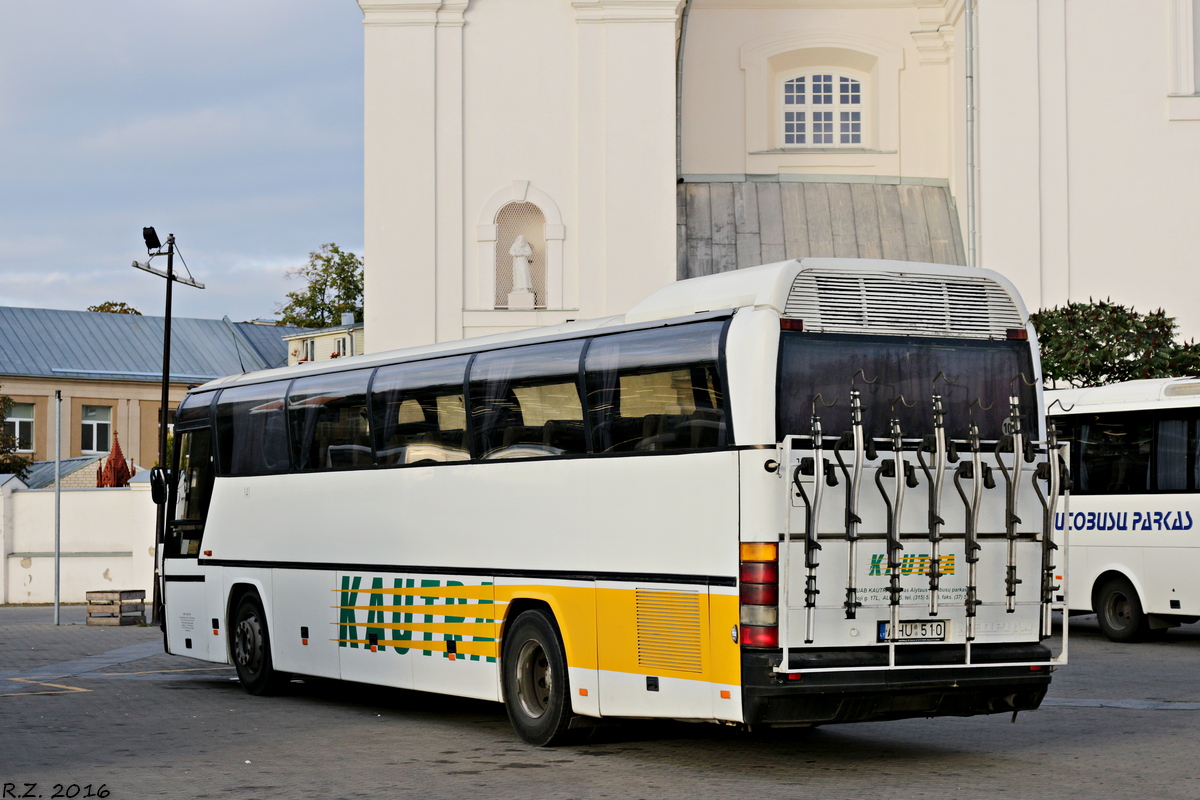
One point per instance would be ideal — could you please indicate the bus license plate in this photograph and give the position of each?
(925, 630)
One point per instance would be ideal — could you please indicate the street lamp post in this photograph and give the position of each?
(155, 248)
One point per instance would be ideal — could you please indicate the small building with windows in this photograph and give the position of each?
(109, 370)
(307, 345)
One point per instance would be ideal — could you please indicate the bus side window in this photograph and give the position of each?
(657, 390)
(328, 420)
(1171, 454)
(252, 437)
(418, 413)
(525, 401)
(1114, 453)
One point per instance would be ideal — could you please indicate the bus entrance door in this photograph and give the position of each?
(191, 594)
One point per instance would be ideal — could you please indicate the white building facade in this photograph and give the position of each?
(635, 142)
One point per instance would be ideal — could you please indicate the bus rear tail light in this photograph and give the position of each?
(758, 581)
(786, 324)
(753, 636)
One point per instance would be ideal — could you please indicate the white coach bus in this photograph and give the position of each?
(1135, 511)
(805, 493)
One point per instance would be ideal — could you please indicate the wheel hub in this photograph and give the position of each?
(535, 679)
(247, 644)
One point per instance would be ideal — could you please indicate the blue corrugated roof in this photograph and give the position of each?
(87, 344)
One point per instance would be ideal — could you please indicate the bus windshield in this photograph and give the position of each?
(977, 378)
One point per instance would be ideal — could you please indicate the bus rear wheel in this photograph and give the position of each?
(250, 644)
(1119, 611)
(535, 680)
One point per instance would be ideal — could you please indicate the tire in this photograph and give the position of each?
(1119, 611)
(250, 646)
(536, 691)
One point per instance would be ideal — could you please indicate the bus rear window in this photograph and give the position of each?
(897, 377)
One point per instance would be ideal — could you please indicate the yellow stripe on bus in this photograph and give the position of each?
(463, 648)
(476, 592)
(489, 629)
(471, 610)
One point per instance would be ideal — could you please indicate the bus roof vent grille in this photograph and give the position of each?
(842, 301)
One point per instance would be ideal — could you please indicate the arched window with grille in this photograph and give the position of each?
(822, 109)
(512, 221)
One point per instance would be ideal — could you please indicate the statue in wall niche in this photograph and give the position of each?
(521, 253)
(522, 295)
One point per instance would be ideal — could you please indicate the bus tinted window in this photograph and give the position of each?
(194, 409)
(328, 419)
(1113, 453)
(975, 379)
(657, 390)
(418, 410)
(251, 430)
(525, 401)
(1174, 446)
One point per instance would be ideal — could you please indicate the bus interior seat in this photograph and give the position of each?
(565, 435)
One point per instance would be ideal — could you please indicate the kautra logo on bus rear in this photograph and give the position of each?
(911, 564)
(1120, 521)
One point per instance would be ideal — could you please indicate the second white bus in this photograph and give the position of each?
(1135, 503)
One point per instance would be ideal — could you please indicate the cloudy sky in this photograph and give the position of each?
(234, 124)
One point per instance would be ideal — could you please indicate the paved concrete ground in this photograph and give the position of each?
(96, 706)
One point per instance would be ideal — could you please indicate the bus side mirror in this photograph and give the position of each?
(158, 485)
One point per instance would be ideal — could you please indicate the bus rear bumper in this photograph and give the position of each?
(887, 694)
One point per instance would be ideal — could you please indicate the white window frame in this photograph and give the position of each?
(843, 114)
(20, 423)
(876, 63)
(95, 426)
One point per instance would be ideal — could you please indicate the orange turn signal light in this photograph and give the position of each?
(759, 551)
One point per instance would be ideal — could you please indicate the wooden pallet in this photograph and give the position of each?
(126, 607)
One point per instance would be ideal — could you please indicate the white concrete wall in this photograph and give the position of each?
(1089, 167)
(107, 542)
(566, 104)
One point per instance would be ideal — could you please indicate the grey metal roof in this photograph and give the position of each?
(41, 473)
(48, 343)
(728, 225)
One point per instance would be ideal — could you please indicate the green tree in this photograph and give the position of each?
(1093, 343)
(10, 462)
(335, 286)
(114, 307)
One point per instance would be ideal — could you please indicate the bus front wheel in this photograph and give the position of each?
(535, 680)
(251, 648)
(1119, 611)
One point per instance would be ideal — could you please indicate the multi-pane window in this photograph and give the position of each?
(822, 110)
(19, 425)
(96, 431)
